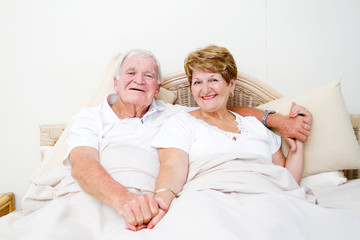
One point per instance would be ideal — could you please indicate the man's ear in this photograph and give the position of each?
(158, 90)
(115, 83)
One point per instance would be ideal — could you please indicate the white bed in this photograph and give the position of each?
(332, 160)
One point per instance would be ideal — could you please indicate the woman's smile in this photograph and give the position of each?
(209, 97)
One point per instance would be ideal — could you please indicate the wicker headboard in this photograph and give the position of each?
(248, 92)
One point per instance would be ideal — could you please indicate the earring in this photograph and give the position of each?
(232, 94)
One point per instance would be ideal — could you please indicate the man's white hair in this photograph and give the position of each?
(136, 52)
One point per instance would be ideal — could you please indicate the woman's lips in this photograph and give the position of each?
(209, 97)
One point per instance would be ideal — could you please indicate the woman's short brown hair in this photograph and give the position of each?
(212, 59)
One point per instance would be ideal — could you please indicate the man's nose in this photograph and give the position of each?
(139, 79)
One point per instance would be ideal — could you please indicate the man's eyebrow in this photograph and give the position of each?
(130, 69)
(151, 72)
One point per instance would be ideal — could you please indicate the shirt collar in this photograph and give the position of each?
(111, 98)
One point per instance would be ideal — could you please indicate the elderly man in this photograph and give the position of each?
(132, 116)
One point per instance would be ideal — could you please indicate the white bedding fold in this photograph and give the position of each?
(242, 173)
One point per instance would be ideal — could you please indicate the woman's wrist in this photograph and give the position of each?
(165, 190)
(166, 197)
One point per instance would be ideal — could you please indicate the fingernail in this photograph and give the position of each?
(291, 114)
(150, 226)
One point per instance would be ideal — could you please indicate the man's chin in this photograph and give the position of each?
(141, 101)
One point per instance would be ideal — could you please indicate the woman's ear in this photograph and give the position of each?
(232, 85)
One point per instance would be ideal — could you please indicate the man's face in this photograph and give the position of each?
(137, 82)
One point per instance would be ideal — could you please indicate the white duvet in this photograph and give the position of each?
(227, 196)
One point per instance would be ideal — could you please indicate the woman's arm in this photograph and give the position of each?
(174, 165)
(294, 161)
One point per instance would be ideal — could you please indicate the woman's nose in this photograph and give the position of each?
(205, 88)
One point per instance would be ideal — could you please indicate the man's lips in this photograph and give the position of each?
(209, 97)
(136, 89)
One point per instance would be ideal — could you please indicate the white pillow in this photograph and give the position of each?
(166, 95)
(323, 180)
(332, 144)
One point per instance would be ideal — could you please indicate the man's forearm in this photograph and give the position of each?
(273, 120)
(248, 111)
(95, 180)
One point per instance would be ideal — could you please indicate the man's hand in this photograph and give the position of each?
(295, 126)
(138, 210)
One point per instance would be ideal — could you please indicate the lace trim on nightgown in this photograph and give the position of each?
(234, 136)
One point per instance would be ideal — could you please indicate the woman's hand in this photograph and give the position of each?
(295, 126)
(303, 117)
(297, 110)
(164, 200)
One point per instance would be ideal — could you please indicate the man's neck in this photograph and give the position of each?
(123, 110)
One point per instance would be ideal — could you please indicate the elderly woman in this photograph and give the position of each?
(231, 177)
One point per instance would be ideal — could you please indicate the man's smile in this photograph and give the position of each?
(137, 89)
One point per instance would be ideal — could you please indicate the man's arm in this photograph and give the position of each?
(137, 209)
(290, 128)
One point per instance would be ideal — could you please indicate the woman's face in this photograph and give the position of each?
(137, 82)
(210, 90)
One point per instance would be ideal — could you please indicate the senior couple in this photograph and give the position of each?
(131, 115)
(141, 164)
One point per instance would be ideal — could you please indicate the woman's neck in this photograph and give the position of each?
(222, 114)
(223, 120)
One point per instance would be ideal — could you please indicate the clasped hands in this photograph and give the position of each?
(143, 210)
(295, 126)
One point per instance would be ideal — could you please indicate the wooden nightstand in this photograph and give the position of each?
(7, 203)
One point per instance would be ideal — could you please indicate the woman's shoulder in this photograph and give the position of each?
(250, 121)
(246, 118)
(195, 113)
(180, 115)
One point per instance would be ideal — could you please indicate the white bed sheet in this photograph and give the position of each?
(344, 198)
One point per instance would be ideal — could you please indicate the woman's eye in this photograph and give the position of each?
(214, 80)
(196, 82)
(131, 73)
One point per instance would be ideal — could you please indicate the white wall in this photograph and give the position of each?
(54, 54)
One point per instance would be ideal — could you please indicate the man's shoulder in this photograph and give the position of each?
(88, 113)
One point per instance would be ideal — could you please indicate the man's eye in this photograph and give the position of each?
(131, 73)
(149, 75)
